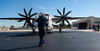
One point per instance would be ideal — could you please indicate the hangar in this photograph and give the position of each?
(86, 23)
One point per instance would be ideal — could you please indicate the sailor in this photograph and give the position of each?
(41, 26)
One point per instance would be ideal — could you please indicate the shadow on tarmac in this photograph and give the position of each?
(25, 34)
(22, 48)
(54, 32)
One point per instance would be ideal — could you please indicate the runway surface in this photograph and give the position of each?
(68, 40)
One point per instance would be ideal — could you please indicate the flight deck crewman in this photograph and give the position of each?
(41, 26)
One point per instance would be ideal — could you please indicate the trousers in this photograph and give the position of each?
(41, 36)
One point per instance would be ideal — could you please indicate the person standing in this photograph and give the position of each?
(98, 27)
(42, 28)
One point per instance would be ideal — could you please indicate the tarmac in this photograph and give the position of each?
(68, 40)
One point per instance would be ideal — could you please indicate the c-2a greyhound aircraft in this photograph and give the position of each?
(30, 22)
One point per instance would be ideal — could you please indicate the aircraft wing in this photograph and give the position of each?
(75, 18)
(11, 18)
(14, 19)
(17, 19)
(70, 18)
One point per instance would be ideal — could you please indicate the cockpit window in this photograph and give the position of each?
(46, 14)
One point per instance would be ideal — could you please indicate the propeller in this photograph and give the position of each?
(63, 17)
(28, 17)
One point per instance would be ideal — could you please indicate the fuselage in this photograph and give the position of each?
(49, 27)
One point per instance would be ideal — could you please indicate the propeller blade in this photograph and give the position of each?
(59, 12)
(67, 22)
(21, 20)
(28, 24)
(24, 24)
(25, 12)
(68, 13)
(33, 15)
(58, 21)
(57, 16)
(21, 15)
(30, 11)
(62, 22)
(64, 11)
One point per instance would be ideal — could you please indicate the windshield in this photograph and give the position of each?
(46, 14)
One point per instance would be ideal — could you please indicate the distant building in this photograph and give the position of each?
(86, 23)
(4, 28)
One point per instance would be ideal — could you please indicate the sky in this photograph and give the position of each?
(79, 8)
